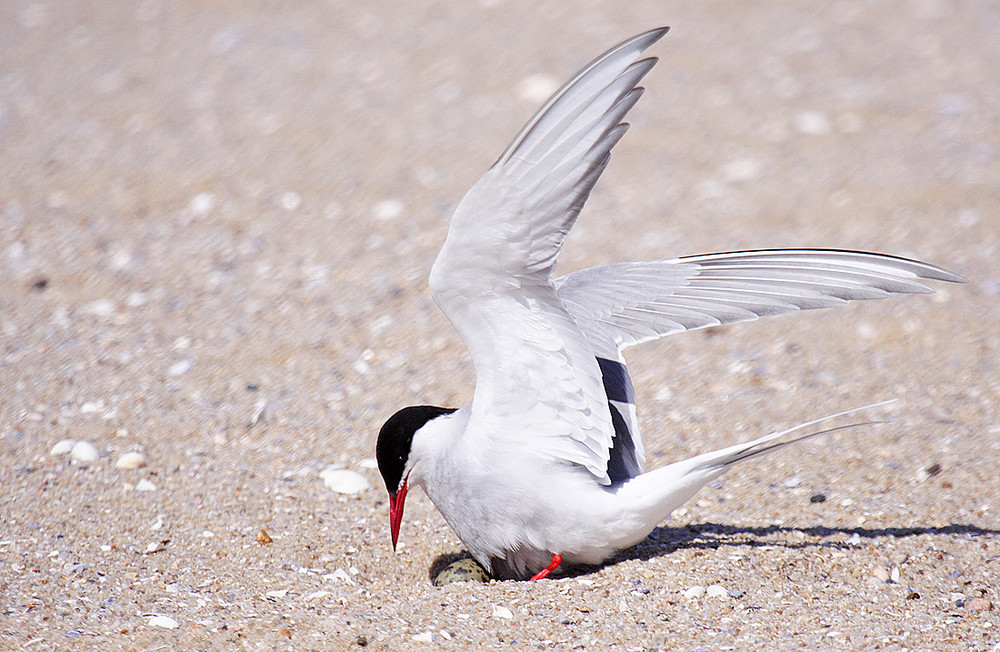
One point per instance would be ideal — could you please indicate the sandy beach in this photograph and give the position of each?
(216, 225)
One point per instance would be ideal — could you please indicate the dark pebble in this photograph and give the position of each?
(817, 498)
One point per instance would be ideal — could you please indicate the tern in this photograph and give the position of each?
(545, 465)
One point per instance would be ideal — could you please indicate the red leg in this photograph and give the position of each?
(556, 560)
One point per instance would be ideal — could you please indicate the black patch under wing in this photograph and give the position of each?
(622, 464)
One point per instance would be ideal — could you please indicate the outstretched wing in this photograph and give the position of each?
(538, 383)
(629, 303)
(619, 305)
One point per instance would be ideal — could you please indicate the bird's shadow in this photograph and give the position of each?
(712, 536)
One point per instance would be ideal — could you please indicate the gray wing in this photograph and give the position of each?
(538, 385)
(620, 305)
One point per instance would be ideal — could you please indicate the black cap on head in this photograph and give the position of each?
(396, 438)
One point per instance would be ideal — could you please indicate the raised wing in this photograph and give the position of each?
(629, 303)
(538, 383)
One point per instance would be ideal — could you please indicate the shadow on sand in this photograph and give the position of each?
(712, 536)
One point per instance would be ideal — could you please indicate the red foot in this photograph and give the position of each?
(556, 560)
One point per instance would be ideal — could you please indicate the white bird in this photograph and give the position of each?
(545, 465)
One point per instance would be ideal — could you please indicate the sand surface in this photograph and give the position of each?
(216, 223)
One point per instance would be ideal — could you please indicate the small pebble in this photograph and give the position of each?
(290, 201)
(180, 367)
(131, 460)
(388, 209)
(537, 88)
(263, 537)
(817, 498)
(63, 447)
(344, 481)
(84, 451)
(426, 637)
(743, 169)
(163, 621)
(100, 308)
(811, 123)
(979, 604)
(92, 407)
(201, 203)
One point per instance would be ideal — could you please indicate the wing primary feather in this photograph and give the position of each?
(626, 51)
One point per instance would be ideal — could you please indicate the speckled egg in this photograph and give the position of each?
(463, 570)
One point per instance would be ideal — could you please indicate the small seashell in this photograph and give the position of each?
(694, 592)
(92, 407)
(156, 546)
(717, 591)
(502, 612)
(263, 537)
(341, 575)
(63, 447)
(131, 460)
(163, 621)
(84, 451)
(344, 481)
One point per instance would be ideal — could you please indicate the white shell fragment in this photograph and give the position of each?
(155, 546)
(344, 481)
(694, 592)
(131, 460)
(145, 485)
(163, 621)
(63, 447)
(84, 451)
(180, 367)
(717, 591)
(502, 612)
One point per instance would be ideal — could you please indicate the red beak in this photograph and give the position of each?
(396, 512)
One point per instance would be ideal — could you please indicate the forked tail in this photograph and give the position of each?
(767, 444)
(651, 497)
